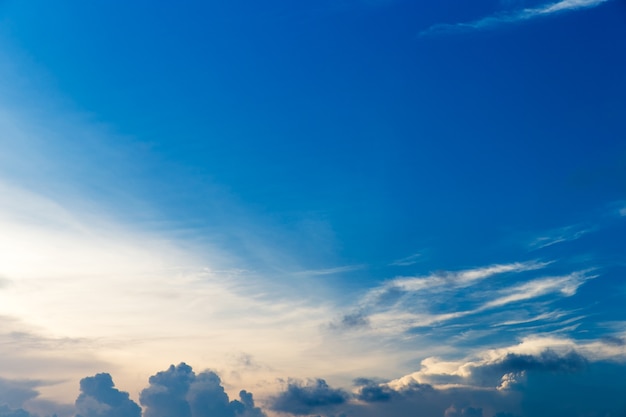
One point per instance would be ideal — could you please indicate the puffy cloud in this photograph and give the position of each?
(514, 384)
(100, 398)
(179, 392)
(166, 395)
(207, 397)
(370, 391)
(245, 406)
(497, 383)
(306, 398)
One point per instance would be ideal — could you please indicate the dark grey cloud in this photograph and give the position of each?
(20, 398)
(350, 321)
(14, 393)
(427, 401)
(305, 398)
(6, 411)
(597, 391)
(374, 393)
(546, 361)
(100, 398)
(179, 392)
(166, 395)
(245, 406)
(555, 385)
(206, 397)
(371, 391)
(463, 412)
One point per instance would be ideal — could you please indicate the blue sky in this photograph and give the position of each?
(357, 207)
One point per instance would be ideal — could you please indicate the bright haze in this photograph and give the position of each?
(333, 208)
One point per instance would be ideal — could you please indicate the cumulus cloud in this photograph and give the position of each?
(576, 387)
(513, 16)
(499, 369)
(373, 399)
(370, 391)
(179, 392)
(167, 392)
(305, 398)
(100, 398)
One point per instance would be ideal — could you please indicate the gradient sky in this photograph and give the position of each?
(344, 207)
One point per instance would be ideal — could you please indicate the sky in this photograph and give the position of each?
(339, 208)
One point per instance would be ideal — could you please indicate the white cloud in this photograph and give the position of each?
(512, 17)
(566, 285)
(434, 369)
(458, 279)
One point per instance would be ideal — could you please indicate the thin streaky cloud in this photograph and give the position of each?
(331, 271)
(542, 317)
(564, 234)
(567, 285)
(462, 278)
(397, 321)
(500, 19)
(407, 261)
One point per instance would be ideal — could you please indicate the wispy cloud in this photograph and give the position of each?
(566, 285)
(500, 19)
(561, 235)
(330, 271)
(485, 298)
(456, 279)
(407, 261)
(73, 277)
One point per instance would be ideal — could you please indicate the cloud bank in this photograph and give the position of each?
(511, 385)
(510, 382)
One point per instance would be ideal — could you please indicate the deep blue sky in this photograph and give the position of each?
(343, 112)
(327, 150)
